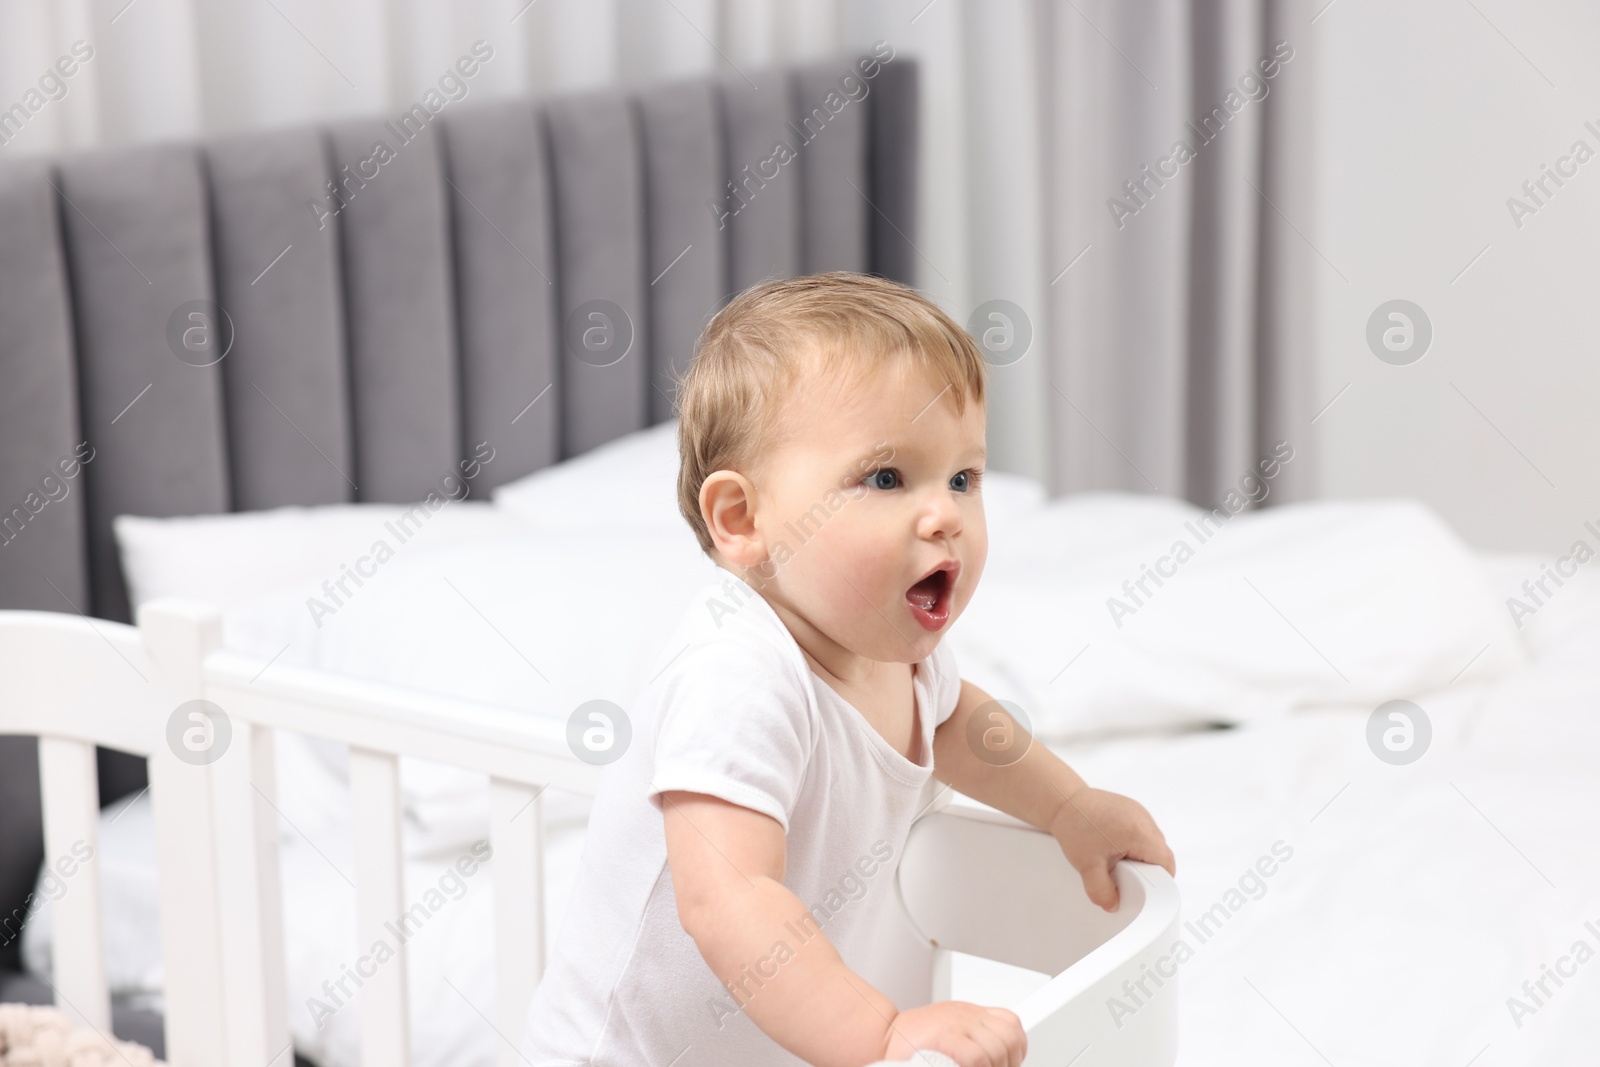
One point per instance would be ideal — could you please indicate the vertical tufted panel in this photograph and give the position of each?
(43, 558)
(763, 184)
(277, 277)
(42, 550)
(137, 242)
(892, 154)
(507, 328)
(687, 258)
(600, 247)
(831, 101)
(398, 306)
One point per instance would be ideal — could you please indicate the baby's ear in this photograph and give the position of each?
(728, 510)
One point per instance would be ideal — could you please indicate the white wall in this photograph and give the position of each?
(1430, 120)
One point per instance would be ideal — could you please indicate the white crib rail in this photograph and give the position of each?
(959, 882)
(75, 683)
(521, 757)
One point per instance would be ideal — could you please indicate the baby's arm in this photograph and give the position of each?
(1095, 828)
(727, 866)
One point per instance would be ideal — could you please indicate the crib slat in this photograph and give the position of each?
(70, 793)
(380, 904)
(274, 979)
(516, 832)
(247, 878)
(178, 637)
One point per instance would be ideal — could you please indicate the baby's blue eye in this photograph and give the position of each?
(962, 482)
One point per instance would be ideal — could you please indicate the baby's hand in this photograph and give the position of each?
(970, 1034)
(1096, 829)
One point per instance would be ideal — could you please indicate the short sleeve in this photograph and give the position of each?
(732, 723)
(946, 682)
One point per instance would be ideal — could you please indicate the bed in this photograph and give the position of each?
(1342, 904)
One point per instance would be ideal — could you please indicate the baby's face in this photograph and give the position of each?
(877, 486)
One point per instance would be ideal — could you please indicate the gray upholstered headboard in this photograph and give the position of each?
(377, 327)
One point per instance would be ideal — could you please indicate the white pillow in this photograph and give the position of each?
(538, 623)
(630, 481)
(224, 559)
(266, 571)
(1329, 603)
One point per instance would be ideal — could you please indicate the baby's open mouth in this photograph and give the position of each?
(929, 599)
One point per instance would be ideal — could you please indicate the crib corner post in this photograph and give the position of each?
(178, 635)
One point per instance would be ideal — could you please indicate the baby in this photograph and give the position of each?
(741, 853)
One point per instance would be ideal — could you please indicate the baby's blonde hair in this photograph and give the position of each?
(754, 351)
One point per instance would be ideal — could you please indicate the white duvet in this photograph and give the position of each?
(1418, 898)
(1415, 900)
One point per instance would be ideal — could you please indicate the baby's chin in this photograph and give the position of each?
(906, 642)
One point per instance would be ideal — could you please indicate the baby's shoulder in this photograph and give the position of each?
(731, 617)
(728, 634)
(740, 661)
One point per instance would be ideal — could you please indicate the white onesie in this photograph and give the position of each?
(735, 712)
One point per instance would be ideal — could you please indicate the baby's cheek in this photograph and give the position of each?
(855, 563)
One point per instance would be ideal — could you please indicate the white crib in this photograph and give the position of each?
(972, 880)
